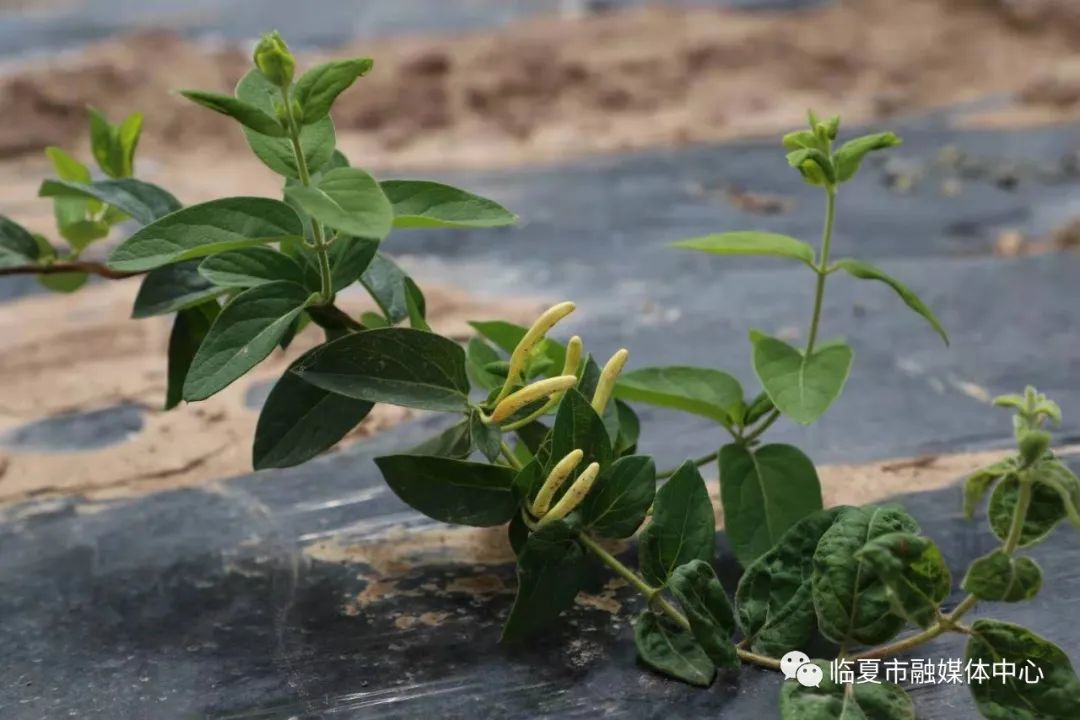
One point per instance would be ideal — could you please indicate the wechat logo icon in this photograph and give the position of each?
(797, 666)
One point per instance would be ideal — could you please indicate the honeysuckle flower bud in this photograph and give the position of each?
(570, 367)
(529, 394)
(573, 497)
(555, 481)
(608, 376)
(520, 357)
(274, 60)
(574, 349)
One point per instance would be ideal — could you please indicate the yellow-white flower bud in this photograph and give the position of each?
(554, 481)
(574, 348)
(573, 497)
(606, 385)
(520, 357)
(529, 394)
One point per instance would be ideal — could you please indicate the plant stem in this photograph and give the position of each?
(1023, 502)
(322, 247)
(92, 268)
(760, 430)
(656, 599)
(823, 264)
(703, 460)
(509, 456)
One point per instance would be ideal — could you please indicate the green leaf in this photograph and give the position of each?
(385, 282)
(453, 442)
(866, 271)
(317, 89)
(127, 140)
(249, 267)
(141, 200)
(552, 567)
(916, 577)
(774, 599)
(478, 355)
(507, 335)
(672, 651)
(104, 145)
(189, 330)
(299, 421)
(450, 490)
(629, 429)
(67, 167)
(1043, 515)
(70, 210)
(1055, 692)
(81, 233)
(486, 438)
(63, 282)
(977, 485)
(17, 245)
(317, 140)
(998, 577)
(751, 243)
(349, 258)
(400, 366)
(246, 114)
(764, 492)
(207, 229)
(831, 701)
(623, 493)
(589, 379)
(245, 332)
(802, 387)
(1054, 475)
(710, 393)
(851, 154)
(851, 601)
(426, 204)
(349, 200)
(578, 427)
(682, 529)
(172, 288)
(416, 305)
(707, 608)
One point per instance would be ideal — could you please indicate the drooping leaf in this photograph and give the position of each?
(244, 113)
(916, 577)
(245, 332)
(832, 701)
(802, 387)
(751, 243)
(622, 495)
(707, 608)
(486, 438)
(172, 288)
(866, 271)
(347, 199)
(451, 490)
(764, 492)
(998, 577)
(682, 528)
(249, 267)
(1043, 515)
(1054, 690)
(189, 330)
(17, 245)
(702, 391)
(299, 421)
(317, 139)
(317, 89)
(426, 204)
(141, 200)
(385, 282)
(552, 567)
(976, 486)
(400, 366)
(672, 651)
(850, 155)
(774, 600)
(851, 601)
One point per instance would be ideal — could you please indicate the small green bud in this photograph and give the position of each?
(1033, 445)
(274, 60)
(280, 113)
(832, 127)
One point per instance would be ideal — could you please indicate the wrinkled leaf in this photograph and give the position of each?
(998, 577)
(976, 486)
(672, 651)
(831, 701)
(1043, 515)
(712, 621)
(916, 577)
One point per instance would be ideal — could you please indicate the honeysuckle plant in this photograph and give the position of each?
(543, 437)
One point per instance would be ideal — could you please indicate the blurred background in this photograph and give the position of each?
(612, 127)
